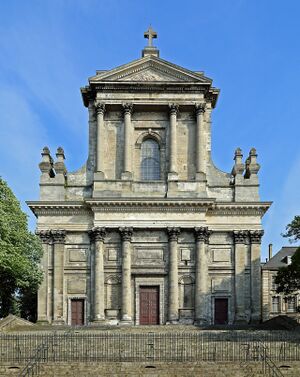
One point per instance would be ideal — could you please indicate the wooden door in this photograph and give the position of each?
(149, 305)
(221, 311)
(77, 310)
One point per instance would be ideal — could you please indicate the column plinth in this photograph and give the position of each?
(126, 235)
(201, 277)
(58, 276)
(127, 168)
(100, 110)
(173, 317)
(255, 240)
(173, 174)
(239, 269)
(98, 235)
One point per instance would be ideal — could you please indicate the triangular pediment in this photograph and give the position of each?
(150, 69)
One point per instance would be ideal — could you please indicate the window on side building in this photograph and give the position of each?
(275, 304)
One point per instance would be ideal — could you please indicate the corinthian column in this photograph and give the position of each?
(58, 276)
(98, 234)
(46, 239)
(200, 143)
(255, 239)
(100, 109)
(173, 234)
(201, 276)
(173, 143)
(239, 267)
(126, 235)
(127, 170)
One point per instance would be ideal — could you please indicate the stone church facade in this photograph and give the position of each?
(149, 231)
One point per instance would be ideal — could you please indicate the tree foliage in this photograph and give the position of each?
(288, 278)
(20, 253)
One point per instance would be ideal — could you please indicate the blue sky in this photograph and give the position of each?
(250, 49)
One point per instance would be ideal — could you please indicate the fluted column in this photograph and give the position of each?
(173, 174)
(127, 169)
(255, 240)
(239, 267)
(201, 276)
(100, 109)
(46, 238)
(173, 234)
(98, 234)
(126, 235)
(200, 143)
(58, 276)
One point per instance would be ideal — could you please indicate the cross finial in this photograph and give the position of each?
(150, 34)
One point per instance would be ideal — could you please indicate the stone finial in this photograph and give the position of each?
(59, 165)
(238, 165)
(252, 167)
(46, 165)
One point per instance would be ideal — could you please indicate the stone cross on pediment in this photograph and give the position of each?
(150, 34)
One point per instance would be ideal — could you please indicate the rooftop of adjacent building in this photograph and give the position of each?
(281, 259)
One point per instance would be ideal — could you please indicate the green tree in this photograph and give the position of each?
(20, 253)
(288, 278)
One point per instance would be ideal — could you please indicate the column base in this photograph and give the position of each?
(126, 176)
(58, 322)
(172, 176)
(200, 177)
(99, 176)
(240, 321)
(255, 319)
(98, 322)
(42, 322)
(201, 322)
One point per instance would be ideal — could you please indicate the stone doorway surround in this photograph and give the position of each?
(147, 281)
(85, 313)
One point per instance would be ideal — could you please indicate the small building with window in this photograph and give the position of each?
(273, 303)
(149, 230)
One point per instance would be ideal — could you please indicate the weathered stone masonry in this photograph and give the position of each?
(149, 230)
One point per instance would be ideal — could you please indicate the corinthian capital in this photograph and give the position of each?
(45, 236)
(58, 236)
(174, 108)
(126, 233)
(200, 108)
(127, 108)
(256, 236)
(100, 107)
(98, 233)
(240, 236)
(173, 234)
(202, 234)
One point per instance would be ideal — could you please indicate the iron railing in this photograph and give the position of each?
(183, 346)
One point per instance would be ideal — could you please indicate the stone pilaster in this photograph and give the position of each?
(201, 276)
(255, 241)
(200, 143)
(98, 235)
(46, 238)
(173, 174)
(127, 169)
(126, 235)
(100, 109)
(58, 276)
(240, 237)
(173, 234)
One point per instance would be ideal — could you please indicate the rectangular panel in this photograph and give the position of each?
(77, 255)
(221, 255)
(156, 254)
(76, 285)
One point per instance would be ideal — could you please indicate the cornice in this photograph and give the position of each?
(49, 208)
(239, 209)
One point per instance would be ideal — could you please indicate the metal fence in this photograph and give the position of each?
(109, 347)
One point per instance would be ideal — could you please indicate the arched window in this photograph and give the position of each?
(150, 160)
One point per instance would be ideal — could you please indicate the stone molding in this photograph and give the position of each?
(100, 107)
(256, 236)
(127, 108)
(59, 236)
(240, 236)
(202, 234)
(98, 233)
(150, 134)
(200, 108)
(126, 233)
(173, 233)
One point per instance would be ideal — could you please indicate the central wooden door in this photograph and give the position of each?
(221, 311)
(149, 305)
(77, 312)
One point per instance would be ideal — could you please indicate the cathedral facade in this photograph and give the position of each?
(149, 231)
